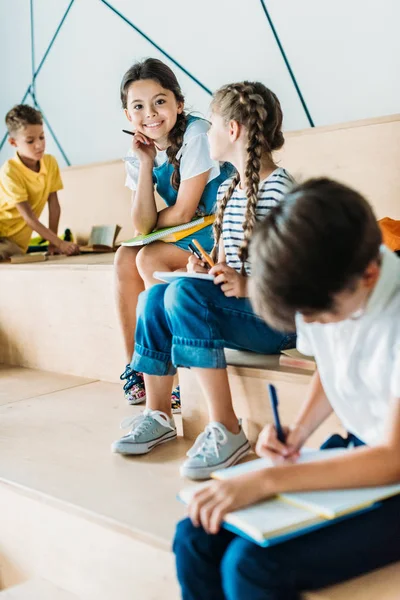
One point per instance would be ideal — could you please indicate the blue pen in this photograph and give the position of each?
(273, 396)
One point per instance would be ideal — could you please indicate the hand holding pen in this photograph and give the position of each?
(276, 440)
(143, 147)
(199, 261)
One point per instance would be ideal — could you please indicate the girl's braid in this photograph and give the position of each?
(254, 105)
(176, 140)
(217, 227)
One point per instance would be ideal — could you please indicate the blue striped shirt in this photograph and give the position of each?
(271, 191)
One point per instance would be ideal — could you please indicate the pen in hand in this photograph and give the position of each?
(203, 254)
(273, 396)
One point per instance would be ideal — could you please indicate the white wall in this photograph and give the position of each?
(345, 55)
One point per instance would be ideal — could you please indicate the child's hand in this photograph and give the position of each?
(68, 248)
(210, 504)
(52, 250)
(195, 265)
(232, 283)
(269, 445)
(144, 148)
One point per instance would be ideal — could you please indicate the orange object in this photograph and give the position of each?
(203, 253)
(390, 229)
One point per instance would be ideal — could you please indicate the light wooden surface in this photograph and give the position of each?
(251, 401)
(18, 383)
(90, 558)
(61, 318)
(59, 445)
(383, 584)
(363, 154)
(36, 589)
(96, 524)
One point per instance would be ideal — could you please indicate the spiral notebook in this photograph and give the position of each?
(171, 234)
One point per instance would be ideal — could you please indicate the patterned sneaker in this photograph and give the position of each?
(149, 429)
(135, 392)
(215, 448)
(176, 401)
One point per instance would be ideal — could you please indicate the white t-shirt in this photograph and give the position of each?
(359, 359)
(194, 155)
(271, 191)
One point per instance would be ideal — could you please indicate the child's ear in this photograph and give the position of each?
(180, 106)
(371, 274)
(12, 141)
(234, 130)
(128, 116)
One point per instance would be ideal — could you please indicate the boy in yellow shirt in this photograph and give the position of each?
(27, 182)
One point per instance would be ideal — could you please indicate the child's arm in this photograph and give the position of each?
(362, 467)
(26, 212)
(54, 218)
(315, 410)
(189, 196)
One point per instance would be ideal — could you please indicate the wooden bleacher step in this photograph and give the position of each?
(36, 589)
(60, 316)
(85, 520)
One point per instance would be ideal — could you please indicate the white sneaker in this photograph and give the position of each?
(149, 429)
(215, 448)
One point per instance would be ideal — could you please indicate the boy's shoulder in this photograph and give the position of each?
(10, 169)
(50, 161)
(13, 167)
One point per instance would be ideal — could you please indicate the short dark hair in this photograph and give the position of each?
(22, 115)
(317, 242)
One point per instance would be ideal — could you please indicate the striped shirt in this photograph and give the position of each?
(271, 191)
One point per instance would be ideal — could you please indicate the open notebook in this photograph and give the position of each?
(171, 234)
(102, 239)
(169, 276)
(290, 515)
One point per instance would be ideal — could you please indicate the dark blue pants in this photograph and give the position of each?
(225, 566)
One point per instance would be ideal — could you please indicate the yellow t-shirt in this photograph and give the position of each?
(20, 184)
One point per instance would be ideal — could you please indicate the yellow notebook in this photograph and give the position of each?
(172, 234)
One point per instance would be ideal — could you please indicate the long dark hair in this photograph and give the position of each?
(155, 69)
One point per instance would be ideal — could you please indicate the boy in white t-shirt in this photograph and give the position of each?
(316, 256)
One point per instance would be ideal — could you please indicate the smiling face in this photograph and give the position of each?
(30, 142)
(152, 109)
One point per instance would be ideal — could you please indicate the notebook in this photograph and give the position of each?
(171, 234)
(169, 276)
(290, 515)
(28, 258)
(102, 239)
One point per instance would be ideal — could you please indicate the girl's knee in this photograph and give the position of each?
(181, 294)
(125, 262)
(150, 301)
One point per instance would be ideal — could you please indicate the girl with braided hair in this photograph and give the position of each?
(189, 322)
(170, 153)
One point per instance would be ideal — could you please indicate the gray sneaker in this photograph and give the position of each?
(149, 429)
(215, 448)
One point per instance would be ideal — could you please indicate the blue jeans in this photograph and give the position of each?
(188, 323)
(227, 567)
